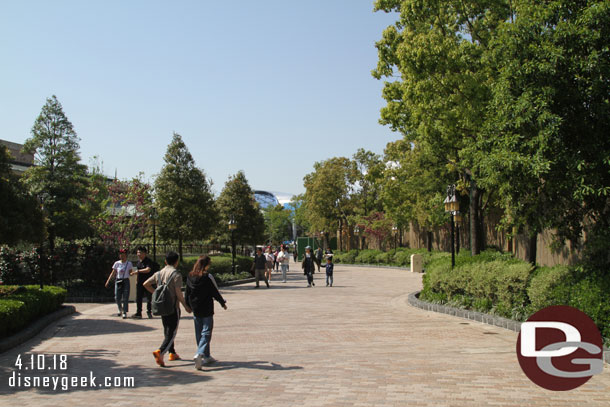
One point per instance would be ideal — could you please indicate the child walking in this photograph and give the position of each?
(329, 271)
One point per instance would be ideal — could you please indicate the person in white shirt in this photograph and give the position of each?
(121, 269)
(269, 265)
(283, 259)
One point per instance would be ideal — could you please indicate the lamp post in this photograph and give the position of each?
(232, 227)
(458, 220)
(154, 220)
(452, 207)
(357, 233)
(395, 233)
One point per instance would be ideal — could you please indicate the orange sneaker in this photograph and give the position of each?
(158, 357)
(174, 356)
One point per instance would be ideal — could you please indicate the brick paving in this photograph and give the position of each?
(356, 344)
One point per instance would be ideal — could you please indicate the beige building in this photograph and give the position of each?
(19, 161)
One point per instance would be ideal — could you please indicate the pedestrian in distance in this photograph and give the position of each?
(170, 276)
(269, 265)
(121, 270)
(319, 256)
(276, 262)
(283, 259)
(259, 266)
(145, 268)
(200, 295)
(295, 254)
(329, 271)
(309, 266)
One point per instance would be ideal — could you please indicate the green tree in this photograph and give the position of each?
(184, 200)
(440, 102)
(58, 179)
(297, 202)
(414, 187)
(20, 215)
(328, 195)
(548, 151)
(278, 224)
(237, 200)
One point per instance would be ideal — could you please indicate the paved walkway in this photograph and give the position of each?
(356, 344)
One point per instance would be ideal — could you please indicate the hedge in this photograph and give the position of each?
(500, 284)
(20, 305)
(221, 265)
(397, 257)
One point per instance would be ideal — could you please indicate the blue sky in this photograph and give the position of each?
(267, 87)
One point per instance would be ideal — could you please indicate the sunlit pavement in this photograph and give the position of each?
(355, 344)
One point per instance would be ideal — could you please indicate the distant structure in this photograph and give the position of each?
(19, 161)
(266, 199)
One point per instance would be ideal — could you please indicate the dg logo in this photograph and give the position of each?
(560, 348)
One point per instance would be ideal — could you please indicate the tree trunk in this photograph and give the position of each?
(475, 230)
(340, 235)
(533, 248)
(429, 241)
(180, 248)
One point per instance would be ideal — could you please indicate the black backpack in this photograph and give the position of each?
(163, 301)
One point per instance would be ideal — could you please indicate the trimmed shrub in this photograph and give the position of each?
(19, 305)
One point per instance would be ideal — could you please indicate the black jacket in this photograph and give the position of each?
(260, 262)
(200, 295)
(309, 264)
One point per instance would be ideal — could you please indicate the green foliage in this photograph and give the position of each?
(20, 305)
(184, 200)
(58, 179)
(220, 265)
(20, 215)
(278, 224)
(237, 200)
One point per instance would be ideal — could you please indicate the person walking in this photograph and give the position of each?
(170, 276)
(276, 262)
(283, 259)
(146, 267)
(295, 253)
(121, 269)
(259, 266)
(200, 295)
(309, 266)
(329, 271)
(319, 256)
(269, 265)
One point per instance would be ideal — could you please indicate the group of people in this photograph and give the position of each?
(201, 291)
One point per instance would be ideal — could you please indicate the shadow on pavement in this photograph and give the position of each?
(260, 365)
(90, 327)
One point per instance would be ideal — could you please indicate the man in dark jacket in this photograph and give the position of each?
(260, 266)
(309, 266)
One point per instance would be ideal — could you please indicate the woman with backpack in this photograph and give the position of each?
(200, 295)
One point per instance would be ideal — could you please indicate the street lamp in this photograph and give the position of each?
(458, 220)
(395, 233)
(232, 227)
(452, 206)
(154, 220)
(357, 233)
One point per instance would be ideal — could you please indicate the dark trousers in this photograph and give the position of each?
(170, 328)
(142, 292)
(309, 277)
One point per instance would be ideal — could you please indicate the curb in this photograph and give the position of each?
(500, 322)
(35, 327)
(237, 282)
(374, 266)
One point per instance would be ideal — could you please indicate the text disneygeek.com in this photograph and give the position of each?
(37, 364)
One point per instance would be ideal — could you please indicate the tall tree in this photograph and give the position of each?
(58, 179)
(237, 200)
(20, 216)
(548, 150)
(329, 191)
(184, 199)
(278, 224)
(440, 101)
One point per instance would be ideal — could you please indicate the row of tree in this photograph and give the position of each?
(59, 198)
(508, 99)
